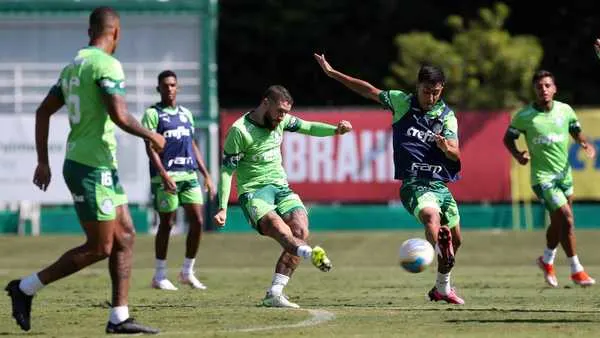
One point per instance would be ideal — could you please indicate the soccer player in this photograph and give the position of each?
(426, 157)
(92, 87)
(546, 124)
(174, 180)
(253, 149)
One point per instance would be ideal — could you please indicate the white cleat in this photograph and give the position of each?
(163, 284)
(278, 301)
(191, 280)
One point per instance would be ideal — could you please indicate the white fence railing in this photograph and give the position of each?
(24, 85)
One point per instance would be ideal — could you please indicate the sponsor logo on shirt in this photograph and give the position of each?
(423, 136)
(426, 167)
(177, 133)
(549, 139)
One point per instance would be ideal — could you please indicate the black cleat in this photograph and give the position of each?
(129, 326)
(21, 304)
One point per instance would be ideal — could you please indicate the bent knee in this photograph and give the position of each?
(300, 232)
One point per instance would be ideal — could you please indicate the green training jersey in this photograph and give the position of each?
(547, 137)
(255, 152)
(91, 140)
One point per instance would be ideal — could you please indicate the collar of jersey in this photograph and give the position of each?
(164, 109)
(433, 112)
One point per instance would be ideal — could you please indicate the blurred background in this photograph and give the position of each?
(226, 53)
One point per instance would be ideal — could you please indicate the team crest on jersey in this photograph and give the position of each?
(183, 118)
(436, 126)
(559, 120)
(107, 206)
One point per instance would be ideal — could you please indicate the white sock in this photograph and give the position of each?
(161, 269)
(119, 314)
(549, 255)
(304, 251)
(279, 282)
(442, 283)
(575, 265)
(31, 284)
(188, 266)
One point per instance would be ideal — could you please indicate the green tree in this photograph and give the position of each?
(486, 67)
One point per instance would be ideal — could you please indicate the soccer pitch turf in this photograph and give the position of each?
(365, 295)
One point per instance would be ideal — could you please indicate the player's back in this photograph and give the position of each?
(91, 140)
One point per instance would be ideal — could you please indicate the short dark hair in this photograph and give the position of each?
(540, 74)
(165, 74)
(101, 18)
(431, 75)
(278, 93)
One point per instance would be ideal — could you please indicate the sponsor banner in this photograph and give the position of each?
(586, 172)
(18, 160)
(358, 166)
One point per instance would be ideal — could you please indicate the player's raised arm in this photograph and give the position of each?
(313, 128)
(358, 86)
(50, 105)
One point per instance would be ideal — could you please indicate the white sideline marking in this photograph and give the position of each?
(317, 317)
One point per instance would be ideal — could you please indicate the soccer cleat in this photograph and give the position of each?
(445, 247)
(129, 326)
(191, 280)
(452, 297)
(582, 278)
(320, 260)
(549, 274)
(163, 284)
(278, 301)
(21, 304)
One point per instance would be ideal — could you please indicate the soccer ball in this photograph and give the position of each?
(416, 254)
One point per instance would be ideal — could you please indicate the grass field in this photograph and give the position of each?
(365, 295)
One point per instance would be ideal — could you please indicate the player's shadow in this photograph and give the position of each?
(517, 320)
(22, 334)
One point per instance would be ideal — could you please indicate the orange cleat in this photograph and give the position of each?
(582, 278)
(549, 274)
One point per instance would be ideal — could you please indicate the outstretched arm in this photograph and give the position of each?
(51, 104)
(577, 134)
(358, 86)
(319, 129)
(232, 155)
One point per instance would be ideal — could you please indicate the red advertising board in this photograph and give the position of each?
(358, 167)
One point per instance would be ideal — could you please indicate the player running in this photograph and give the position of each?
(426, 157)
(174, 180)
(546, 124)
(253, 149)
(92, 87)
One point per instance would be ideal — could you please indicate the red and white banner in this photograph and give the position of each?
(358, 167)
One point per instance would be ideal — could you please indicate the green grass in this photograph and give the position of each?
(367, 292)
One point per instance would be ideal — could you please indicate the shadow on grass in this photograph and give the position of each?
(513, 320)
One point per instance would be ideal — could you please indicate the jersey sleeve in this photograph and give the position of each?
(396, 101)
(150, 119)
(451, 127)
(56, 90)
(574, 125)
(110, 77)
(233, 149)
(517, 125)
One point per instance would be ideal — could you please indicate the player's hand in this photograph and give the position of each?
(220, 218)
(590, 150)
(343, 127)
(441, 142)
(157, 142)
(169, 185)
(42, 176)
(597, 47)
(324, 64)
(523, 157)
(210, 187)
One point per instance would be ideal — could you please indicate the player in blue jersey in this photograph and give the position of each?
(175, 181)
(426, 157)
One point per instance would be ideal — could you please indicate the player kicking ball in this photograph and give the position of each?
(546, 124)
(252, 149)
(426, 157)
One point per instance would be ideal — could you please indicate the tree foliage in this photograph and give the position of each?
(486, 67)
